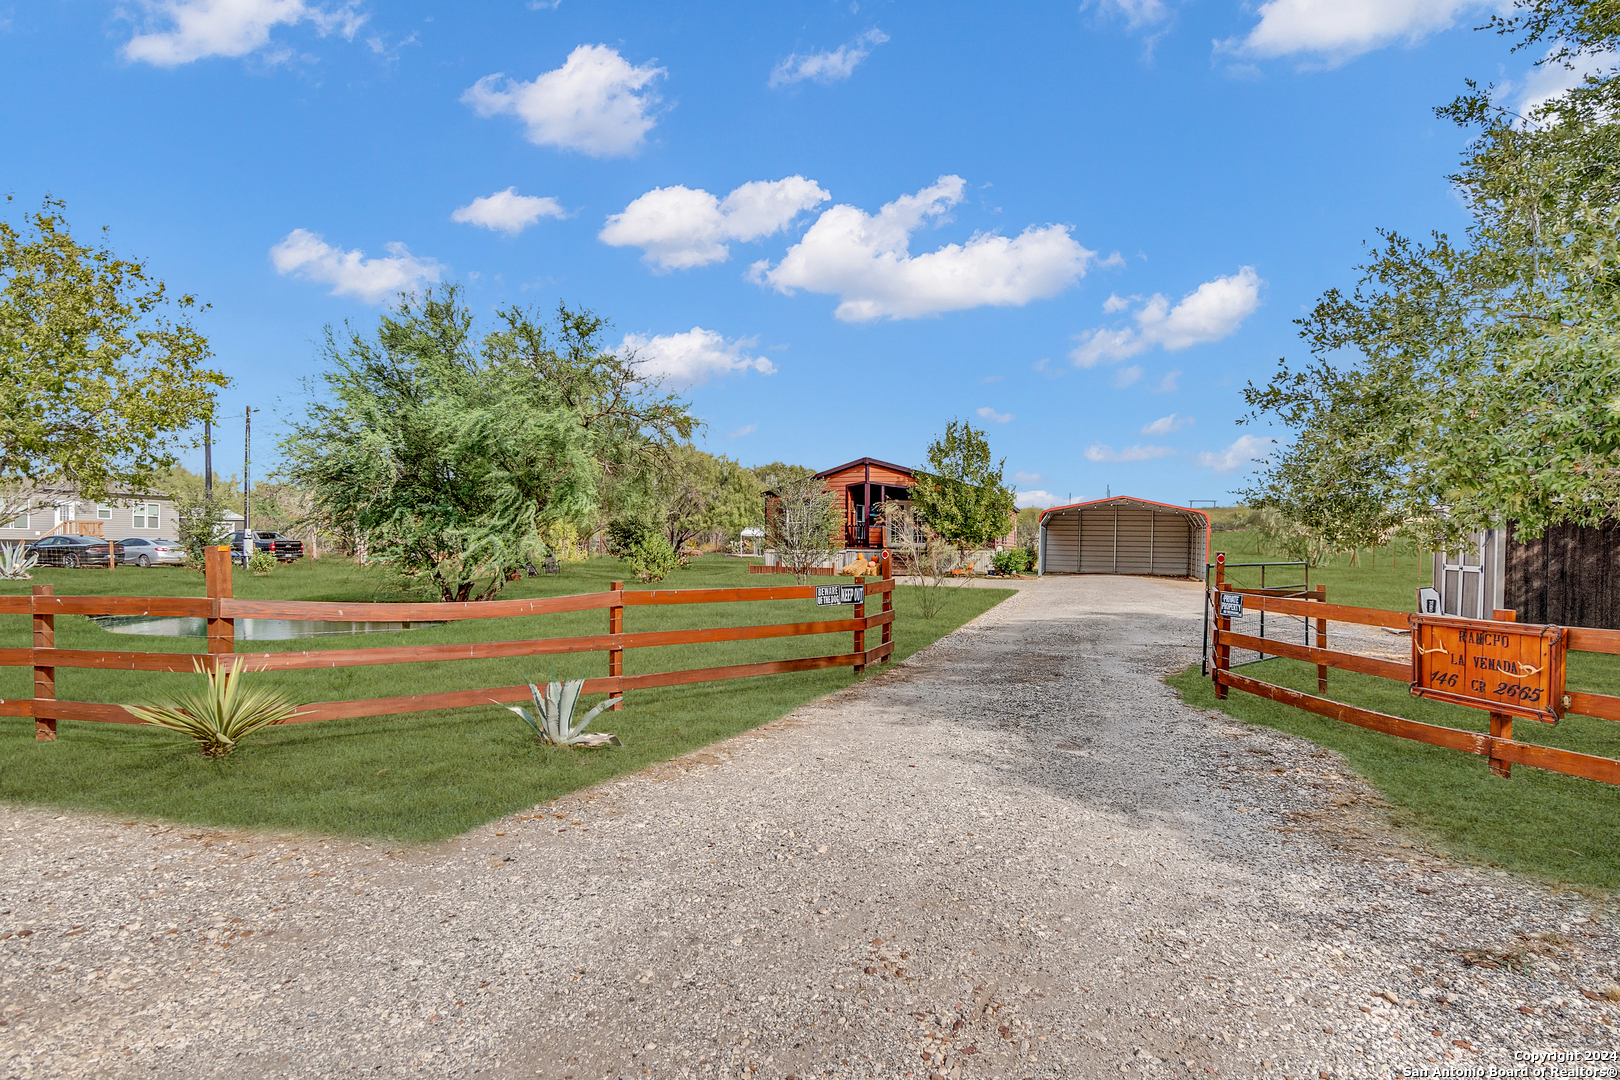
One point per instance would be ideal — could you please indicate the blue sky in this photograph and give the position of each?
(837, 225)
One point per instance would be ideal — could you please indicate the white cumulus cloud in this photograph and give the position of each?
(865, 260)
(1337, 30)
(987, 413)
(1166, 425)
(1245, 451)
(1035, 497)
(1027, 477)
(1169, 384)
(746, 429)
(597, 103)
(187, 30)
(827, 67)
(507, 211)
(304, 254)
(682, 360)
(1127, 376)
(1208, 313)
(1104, 452)
(678, 227)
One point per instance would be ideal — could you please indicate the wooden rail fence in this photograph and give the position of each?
(1498, 747)
(221, 610)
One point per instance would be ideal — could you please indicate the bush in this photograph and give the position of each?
(652, 559)
(1011, 561)
(624, 534)
(261, 563)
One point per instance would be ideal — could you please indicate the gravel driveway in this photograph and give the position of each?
(1015, 855)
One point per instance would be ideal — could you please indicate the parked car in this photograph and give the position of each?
(143, 552)
(72, 550)
(283, 548)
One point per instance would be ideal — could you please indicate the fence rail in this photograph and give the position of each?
(221, 610)
(1498, 747)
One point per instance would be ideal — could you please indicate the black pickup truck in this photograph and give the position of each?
(283, 548)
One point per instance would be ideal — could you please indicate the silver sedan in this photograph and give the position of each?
(144, 552)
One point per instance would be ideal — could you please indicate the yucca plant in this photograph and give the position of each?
(553, 716)
(223, 713)
(15, 562)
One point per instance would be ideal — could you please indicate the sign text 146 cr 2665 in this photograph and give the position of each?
(1516, 669)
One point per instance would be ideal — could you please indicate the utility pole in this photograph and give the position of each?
(208, 459)
(247, 477)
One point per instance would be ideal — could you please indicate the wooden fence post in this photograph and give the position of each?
(217, 573)
(1321, 641)
(44, 677)
(888, 603)
(1501, 723)
(1223, 653)
(860, 631)
(616, 626)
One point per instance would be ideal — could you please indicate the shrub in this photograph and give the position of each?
(261, 563)
(652, 559)
(624, 534)
(1011, 561)
(223, 714)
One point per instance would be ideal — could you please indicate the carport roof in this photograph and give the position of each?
(1126, 500)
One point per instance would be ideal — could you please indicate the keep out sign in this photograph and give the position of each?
(1511, 668)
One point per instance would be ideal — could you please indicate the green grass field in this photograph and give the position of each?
(423, 776)
(1542, 824)
(1382, 577)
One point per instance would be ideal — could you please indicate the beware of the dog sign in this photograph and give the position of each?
(832, 595)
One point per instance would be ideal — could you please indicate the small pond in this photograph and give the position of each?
(246, 629)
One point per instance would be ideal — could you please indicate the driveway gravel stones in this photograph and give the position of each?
(1016, 855)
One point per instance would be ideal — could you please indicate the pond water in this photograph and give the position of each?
(246, 629)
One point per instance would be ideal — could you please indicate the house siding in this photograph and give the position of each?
(117, 527)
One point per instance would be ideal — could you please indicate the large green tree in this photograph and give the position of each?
(697, 493)
(1468, 381)
(445, 454)
(963, 495)
(105, 372)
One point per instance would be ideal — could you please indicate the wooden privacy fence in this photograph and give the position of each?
(1455, 660)
(221, 610)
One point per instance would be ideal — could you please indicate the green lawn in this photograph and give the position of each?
(423, 776)
(1539, 823)
(1382, 577)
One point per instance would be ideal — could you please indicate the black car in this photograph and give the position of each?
(72, 550)
(283, 548)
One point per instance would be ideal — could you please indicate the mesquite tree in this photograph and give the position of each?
(448, 455)
(1463, 383)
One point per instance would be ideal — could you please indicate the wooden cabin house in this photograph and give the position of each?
(864, 485)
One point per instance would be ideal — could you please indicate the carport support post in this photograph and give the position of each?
(1321, 641)
(44, 677)
(1223, 652)
(217, 573)
(860, 629)
(616, 655)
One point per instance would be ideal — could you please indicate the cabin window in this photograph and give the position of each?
(146, 515)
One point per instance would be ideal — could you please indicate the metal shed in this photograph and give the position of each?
(1123, 536)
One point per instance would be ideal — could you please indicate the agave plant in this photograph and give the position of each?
(223, 713)
(15, 562)
(553, 716)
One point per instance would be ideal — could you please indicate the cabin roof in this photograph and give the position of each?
(825, 473)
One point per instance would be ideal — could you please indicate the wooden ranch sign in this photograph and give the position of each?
(1516, 669)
